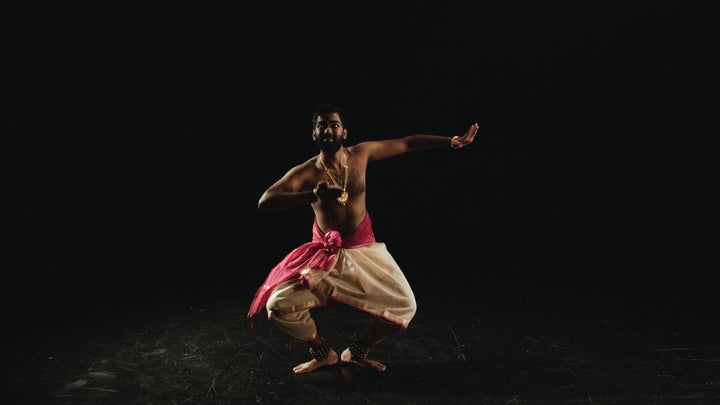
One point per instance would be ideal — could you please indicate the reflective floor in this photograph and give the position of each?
(504, 343)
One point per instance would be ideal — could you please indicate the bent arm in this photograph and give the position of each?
(286, 193)
(276, 200)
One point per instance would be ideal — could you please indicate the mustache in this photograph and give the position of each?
(329, 144)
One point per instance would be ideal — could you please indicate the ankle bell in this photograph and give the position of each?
(357, 352)
(321, 351)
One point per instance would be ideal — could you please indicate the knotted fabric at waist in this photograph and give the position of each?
(320, 253)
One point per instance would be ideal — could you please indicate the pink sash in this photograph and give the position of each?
(318, 254)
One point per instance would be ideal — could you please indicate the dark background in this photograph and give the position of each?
(141, 137)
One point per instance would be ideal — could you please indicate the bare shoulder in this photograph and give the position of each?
(378, 149)
(300, 176)
(361, 150)
(309, 163)
(303, 168)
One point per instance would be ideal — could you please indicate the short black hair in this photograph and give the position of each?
(324, 109)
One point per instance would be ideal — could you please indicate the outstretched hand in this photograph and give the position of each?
(466, 139)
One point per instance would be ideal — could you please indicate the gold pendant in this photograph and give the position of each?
(343, 198)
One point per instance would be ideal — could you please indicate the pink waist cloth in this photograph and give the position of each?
(320, 253)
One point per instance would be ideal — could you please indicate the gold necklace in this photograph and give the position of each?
(342, 200)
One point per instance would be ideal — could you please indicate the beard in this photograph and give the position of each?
(329, 147)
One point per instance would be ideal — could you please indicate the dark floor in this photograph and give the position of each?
(506, 342)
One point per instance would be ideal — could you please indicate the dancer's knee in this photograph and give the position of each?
(297, 324)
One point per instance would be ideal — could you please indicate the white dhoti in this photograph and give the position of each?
(366, 277)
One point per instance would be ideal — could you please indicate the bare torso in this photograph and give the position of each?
(331, 215)
(308, 181)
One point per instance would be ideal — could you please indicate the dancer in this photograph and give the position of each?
(343, 263)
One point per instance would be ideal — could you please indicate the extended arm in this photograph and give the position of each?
(387, 148)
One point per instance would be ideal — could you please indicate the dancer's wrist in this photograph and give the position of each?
(315, 194)
(455, 142)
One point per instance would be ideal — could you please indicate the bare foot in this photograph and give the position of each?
(312, 365)
(346, 357)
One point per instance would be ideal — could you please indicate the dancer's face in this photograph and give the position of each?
(329, 133)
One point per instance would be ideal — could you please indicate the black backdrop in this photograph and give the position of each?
(141, 136)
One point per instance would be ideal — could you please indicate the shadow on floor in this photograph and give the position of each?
(500, 345)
